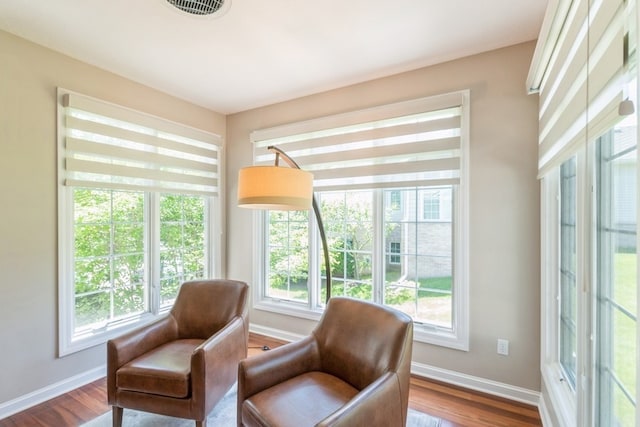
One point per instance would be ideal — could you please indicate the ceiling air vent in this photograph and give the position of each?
(199, 7)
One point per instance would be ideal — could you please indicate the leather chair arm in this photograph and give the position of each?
(214, 364)
(275, 366)
(139, 341)
(127, 347)
(364, 408)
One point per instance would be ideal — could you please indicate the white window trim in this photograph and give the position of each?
(571, 406)
(458, 337)
(561, 393)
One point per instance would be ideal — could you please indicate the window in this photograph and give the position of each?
(422, 283)
(349, 224)
(394, 253)
(391, 186)
(568, 271)
(591, 298)
(109, 253)
(288, 256)
(431, 205)
(395, 200)
(110, 249)
(137, 197)
(183, 243)
(616, 281)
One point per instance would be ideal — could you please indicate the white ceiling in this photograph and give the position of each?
(265, 51)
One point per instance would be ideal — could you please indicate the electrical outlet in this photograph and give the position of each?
(503, 347)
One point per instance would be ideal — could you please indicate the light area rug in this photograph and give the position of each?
(223, 415)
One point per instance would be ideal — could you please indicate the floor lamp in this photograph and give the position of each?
(282, 188)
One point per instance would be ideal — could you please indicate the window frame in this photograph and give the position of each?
(572, 406)
(565, 270)
(603, 300)
(68, 341)
(552, 372)
(456, 338)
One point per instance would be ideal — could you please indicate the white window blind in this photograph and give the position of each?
(411, 143)
(581, 85)
(108, 146)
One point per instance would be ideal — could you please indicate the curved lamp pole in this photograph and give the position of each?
(276, 188)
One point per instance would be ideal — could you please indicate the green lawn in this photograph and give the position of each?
(625, 352)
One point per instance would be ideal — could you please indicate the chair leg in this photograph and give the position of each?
(202, 423)
(117, 416)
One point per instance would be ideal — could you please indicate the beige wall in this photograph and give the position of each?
(504, 197)
(29, 75)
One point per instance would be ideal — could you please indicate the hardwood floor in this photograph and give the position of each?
(459, 407)
(454, 406)
(71, 409)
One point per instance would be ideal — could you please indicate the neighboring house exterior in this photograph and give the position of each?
(424, 233)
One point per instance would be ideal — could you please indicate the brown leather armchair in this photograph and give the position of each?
(353, 370)
(182, 364)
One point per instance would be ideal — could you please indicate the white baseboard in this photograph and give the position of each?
(49, 392)
(274, 333)
(483, 385)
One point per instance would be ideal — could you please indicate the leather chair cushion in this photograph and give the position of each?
(304, 400)
(165, 370)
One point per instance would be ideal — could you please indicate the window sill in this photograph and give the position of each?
(288, 308)
(96, 337)
(561, 396)
(422, 333)
(429, 335)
